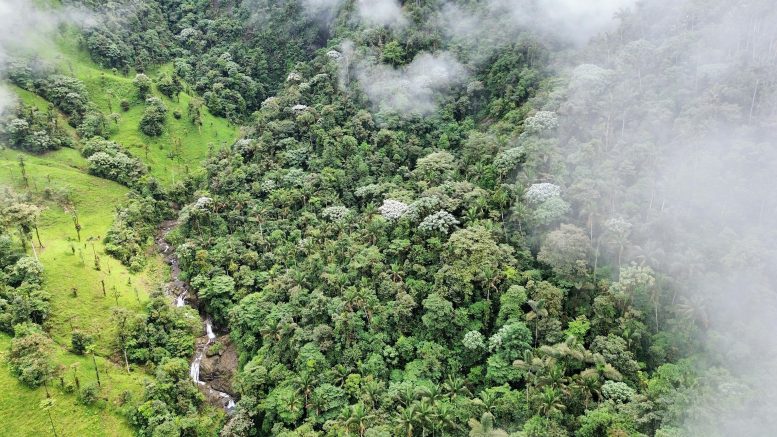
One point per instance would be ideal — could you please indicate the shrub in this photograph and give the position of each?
(29, 358)
(79, 341)
(111, 161)
(153, 121)
(89, 394)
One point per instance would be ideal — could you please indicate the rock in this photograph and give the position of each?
(218, 369)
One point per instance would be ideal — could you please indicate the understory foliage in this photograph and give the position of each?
(33, 130)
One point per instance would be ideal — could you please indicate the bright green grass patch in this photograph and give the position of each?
(180, 149)
(70, 264)
(21, 416)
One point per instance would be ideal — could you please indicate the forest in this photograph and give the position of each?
(379, 218)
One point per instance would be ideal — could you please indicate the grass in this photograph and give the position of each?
(19, 405)
(180, 149)
(70, 265)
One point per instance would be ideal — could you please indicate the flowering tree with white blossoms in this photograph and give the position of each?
(441, 221)
(393, 209)
(336, 213)
(538, 193)
(542, 121)
(474, 340)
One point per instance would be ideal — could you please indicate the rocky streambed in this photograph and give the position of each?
(215, 358)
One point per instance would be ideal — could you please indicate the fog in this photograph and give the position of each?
(25, 29)
(412, 89)
(669, 122)
(380, 12)
(479, 32)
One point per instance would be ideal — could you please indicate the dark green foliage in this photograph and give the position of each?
(131, 35)
(80, 341)
(111, 161)
(89, 394)
(169, 85)
(30, 355)
(142, 85)
(132, 228)
(170, 403)
(153, 121)
(34, 131)
(163, 332)
(22, 299)
(68, 94)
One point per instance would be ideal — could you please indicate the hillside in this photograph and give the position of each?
(385, 218)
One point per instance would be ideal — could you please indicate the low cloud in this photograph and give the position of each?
(411, 89)
(27, 28)
(380, 12)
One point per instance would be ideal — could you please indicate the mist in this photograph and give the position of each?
(669, 123)
(478, 33)
(413, 89)
(26, 28)
(380, 12)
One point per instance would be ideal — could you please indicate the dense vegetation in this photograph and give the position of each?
(481, 256)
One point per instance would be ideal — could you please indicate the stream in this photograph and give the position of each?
(179, 291)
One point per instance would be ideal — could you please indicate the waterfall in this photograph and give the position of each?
(194, 371)
(180, 290)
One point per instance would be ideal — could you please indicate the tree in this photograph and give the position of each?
(30, 355)
(121, 318)
(91, 350)
(80, 341)
(566, 251)
(393, 53)
(485, 427)
(46, 405)
(142, 85)
(154, 116)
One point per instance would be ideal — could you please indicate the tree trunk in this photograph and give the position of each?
(53, 429)
(37, 235)
(96, 372)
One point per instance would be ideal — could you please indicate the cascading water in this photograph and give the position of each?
(179, 290)
(194, 371)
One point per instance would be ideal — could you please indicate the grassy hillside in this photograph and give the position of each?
(182, 146)
(82, 295)
(69, 264)
(19, 406)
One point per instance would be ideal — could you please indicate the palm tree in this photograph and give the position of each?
(406, 419)
(340, 373)
(305, 382)
(486, 401)
(485, 427)
(46, 406)
(444, 418)
(357, 417)
(432, 393)
(601, 370)
(538, 311)
(588, 388)
(550, 402)
(406, 395)
(371, 390)
(455, 386)
(424, 415)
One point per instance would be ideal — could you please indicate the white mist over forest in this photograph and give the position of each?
(671, 124)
